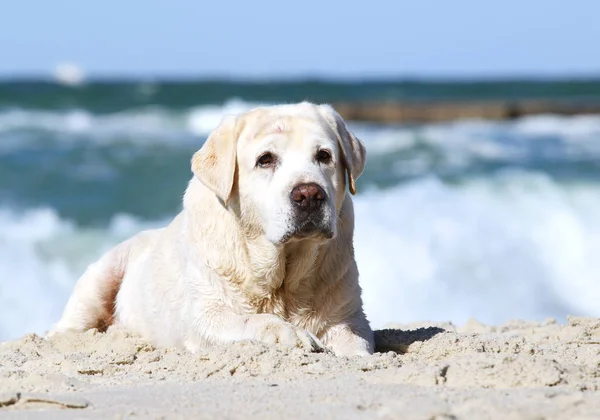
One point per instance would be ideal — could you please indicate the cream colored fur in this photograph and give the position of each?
(229, 267)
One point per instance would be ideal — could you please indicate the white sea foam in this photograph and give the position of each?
(41, 256)
(488, 139)
(69, 74)
(145, 124)
(458, 147)
(519, 245)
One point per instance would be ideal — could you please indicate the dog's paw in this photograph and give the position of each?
(59, 331)
(54, 331)
(272, 330)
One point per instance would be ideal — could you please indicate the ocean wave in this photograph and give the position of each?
(41, 257)
(562, 146)
(520, 245)
(489, 139)
(145, 124)
(156, 121)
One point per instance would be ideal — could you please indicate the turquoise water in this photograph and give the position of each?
(493, 220)
(115, 96)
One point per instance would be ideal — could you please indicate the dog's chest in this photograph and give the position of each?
(297, 308)
(292, 291)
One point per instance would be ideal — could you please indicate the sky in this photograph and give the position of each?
(321, 38)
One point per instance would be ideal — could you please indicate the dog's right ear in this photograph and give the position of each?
(214, 164)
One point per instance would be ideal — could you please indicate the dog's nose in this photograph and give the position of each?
(308, 196)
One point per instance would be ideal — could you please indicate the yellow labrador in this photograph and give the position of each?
(262, 250)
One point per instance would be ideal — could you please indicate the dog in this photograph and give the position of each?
(262, 249)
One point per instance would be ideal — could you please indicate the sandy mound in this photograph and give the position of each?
(521, 369)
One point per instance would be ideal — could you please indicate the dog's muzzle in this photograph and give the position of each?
(309, 202)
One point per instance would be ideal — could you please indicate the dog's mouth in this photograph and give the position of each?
(308, 229)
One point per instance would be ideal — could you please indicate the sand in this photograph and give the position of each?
(520, 370)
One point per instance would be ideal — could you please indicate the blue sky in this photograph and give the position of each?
(273, 38)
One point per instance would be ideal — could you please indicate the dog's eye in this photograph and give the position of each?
(323, 156)
(265, 160)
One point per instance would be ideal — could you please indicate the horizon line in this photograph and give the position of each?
(307, 78)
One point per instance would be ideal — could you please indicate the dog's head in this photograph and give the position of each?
(283, 169)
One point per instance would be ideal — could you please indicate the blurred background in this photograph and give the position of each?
(481, 194)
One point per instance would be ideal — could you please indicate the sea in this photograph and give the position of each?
(454, 220)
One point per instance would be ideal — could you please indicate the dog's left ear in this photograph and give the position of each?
(214, 164)
(352, 151)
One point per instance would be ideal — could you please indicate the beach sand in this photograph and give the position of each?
(522, 369)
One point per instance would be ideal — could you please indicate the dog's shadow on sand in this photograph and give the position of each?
(398, 341)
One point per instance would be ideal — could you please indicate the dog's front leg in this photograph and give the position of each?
(220, 326)
(352, 337)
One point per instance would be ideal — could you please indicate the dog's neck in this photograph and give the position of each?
(290, 266)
